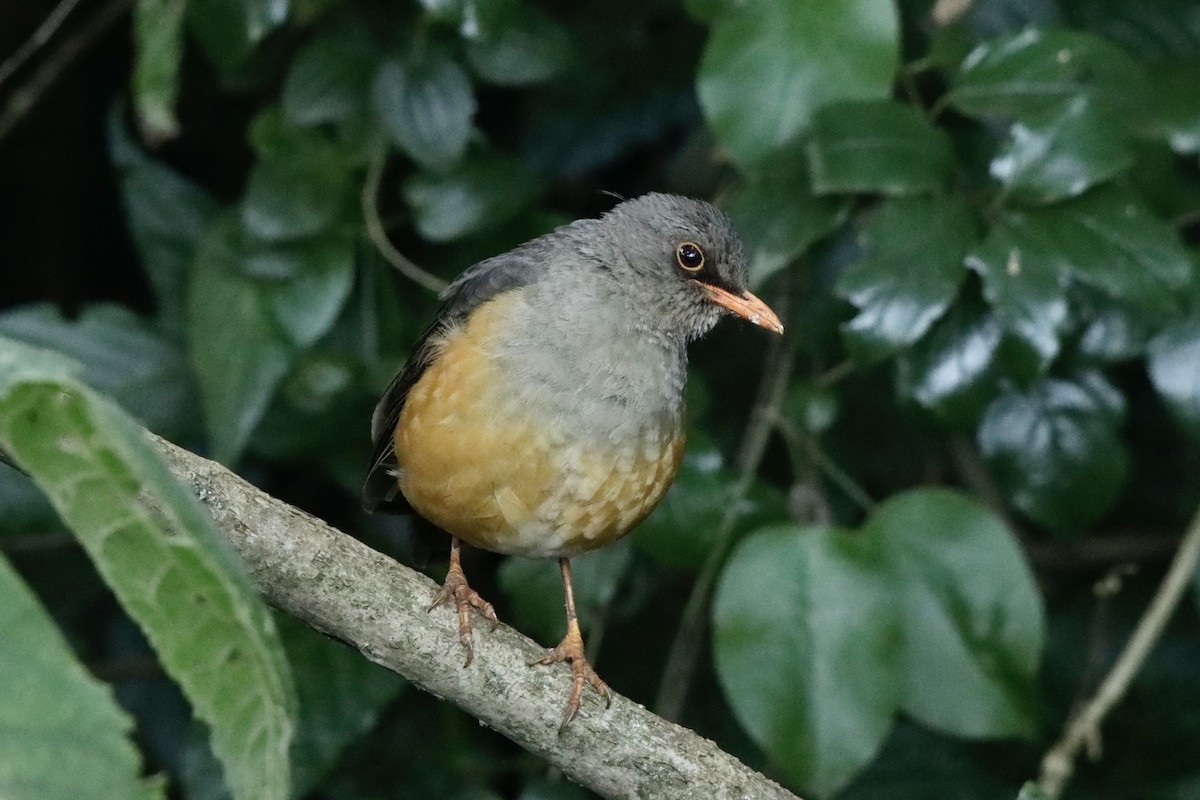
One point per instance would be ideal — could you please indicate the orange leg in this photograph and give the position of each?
(571, 649)
(465, 598)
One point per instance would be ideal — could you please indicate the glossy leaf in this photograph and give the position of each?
(229, 30)
(316, 277)
(1177, 85)
(911, 272)
(1055, 453)
(158, 46)
(121, 355)
(237, 349)
(341, 697)
(1062, 153)
(1035, 71)
(952, 371)
(330, 77)
(426, 107)
(1174, 366)
(513, 43)
(161, 555)
(769, 65)
(778, 215)
(479, 193)
(876, 146)
(973, 617)
(55, 713)
(793, 609)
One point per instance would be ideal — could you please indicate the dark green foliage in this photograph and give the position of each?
(982, 234)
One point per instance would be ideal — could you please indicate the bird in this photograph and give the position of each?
(541, 414)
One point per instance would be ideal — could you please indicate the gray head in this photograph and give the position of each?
(680, 264)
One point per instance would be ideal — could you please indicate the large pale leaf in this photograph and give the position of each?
(53, 713)
(162, 557)
(973, 620)
(769, 65)
(806, 637)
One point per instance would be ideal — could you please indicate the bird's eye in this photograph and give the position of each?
(690, 257)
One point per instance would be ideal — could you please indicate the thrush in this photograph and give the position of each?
(542, 413)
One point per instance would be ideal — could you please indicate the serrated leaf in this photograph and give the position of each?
(121, 356)
(794, 609)
(162, 557)
(952, 371)
(237, 349)
(167, 215)
(1055, 453)
(778, 215)
(876, 146)
(477, 194)
(1174, 366)
(972, 616)
(54, 713)
(330, 76)
(912, 270)
(341, 698)
(512, 43)
(426, 106)
(158, 48)
(769, 65)
(1061, 153)
(1035, 71)
(534, 587)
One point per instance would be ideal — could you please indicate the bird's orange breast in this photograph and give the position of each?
(485, 463)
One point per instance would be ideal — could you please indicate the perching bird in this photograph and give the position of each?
(541, 414)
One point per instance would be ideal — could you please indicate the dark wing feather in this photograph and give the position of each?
(473, 288)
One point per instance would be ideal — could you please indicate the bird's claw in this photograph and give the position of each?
(570, 649)
(465, 598)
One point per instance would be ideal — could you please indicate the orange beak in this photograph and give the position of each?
(746, 306)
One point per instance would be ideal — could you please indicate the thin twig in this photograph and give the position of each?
(377, 234)
(26, 96)
(1084, 728)
(36, 41)
(685, 648)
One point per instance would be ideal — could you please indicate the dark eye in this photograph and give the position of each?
(690, 257)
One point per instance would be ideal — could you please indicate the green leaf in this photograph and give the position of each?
(805, 639)
(1055, 453)
(1177, 85)
(341, 698)
(876, 146)
(167, 216)
(426, 107)
(1174, 366)
(769, 65)
(778, 215)
(238, 350)
(54, 713)
(329, 78)
(158, 46)
(912, 270)
(298, 186)
(952, 371)
(1034, 72)
(534, 586)
(162, 557)
(515, 44)
(479, 193)
(122, 357)
(1061, 153)
(316, 277)
(229, 30)
(973, 619)
(1031, 791)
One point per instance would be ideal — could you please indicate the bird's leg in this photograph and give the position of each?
(465, 598)
(571, 649)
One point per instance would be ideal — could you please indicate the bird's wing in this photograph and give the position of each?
(472, 289)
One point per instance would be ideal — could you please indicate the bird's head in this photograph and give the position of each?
(682, 265)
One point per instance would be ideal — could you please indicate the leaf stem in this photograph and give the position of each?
(1083, 729)
(38, 39)
(377, 234)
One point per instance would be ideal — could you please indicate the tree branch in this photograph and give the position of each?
(343, 588)
(1084, 727)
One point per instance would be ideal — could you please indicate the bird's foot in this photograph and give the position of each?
(571, 649)
(465, 598)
